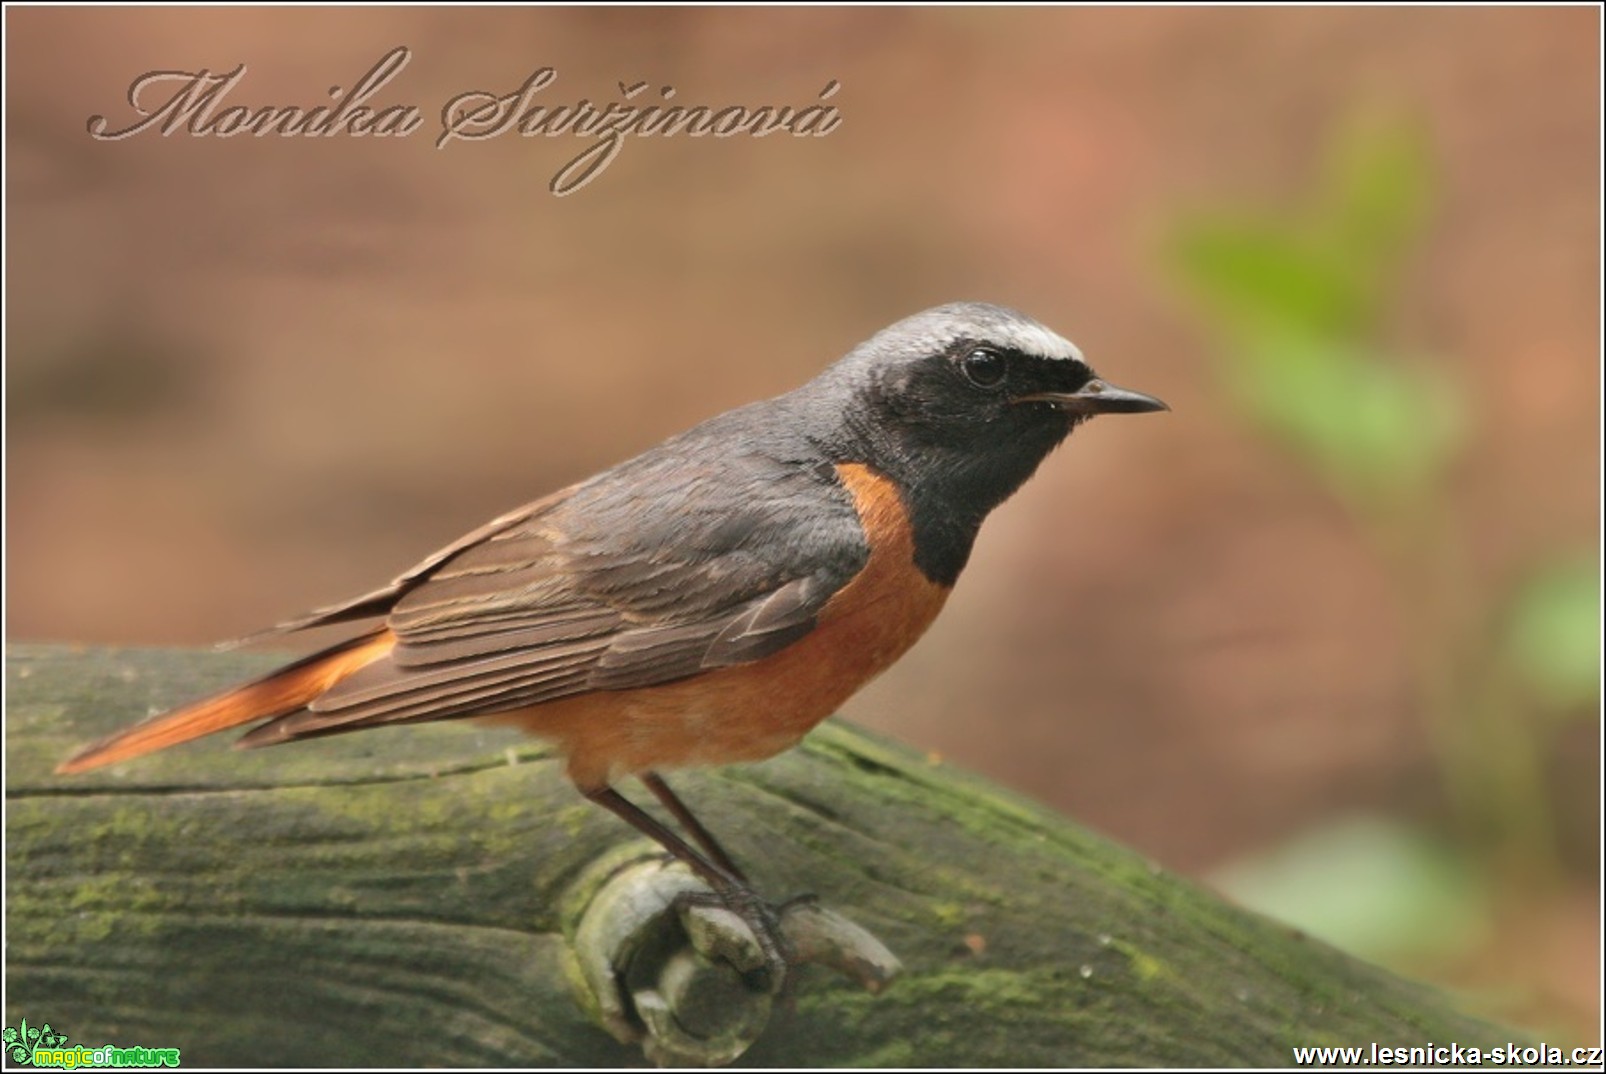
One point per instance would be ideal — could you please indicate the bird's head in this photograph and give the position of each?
(962, 402)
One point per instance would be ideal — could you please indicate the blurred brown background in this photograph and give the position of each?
(247, 376)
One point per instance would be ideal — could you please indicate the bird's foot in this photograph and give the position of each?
(694, 974)
(760, 952)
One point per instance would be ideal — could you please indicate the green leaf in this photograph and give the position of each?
(1376, 429)
(1322, 270)
(1260, 276)
(1553, 634)
(1377, 189)
(1373, 887)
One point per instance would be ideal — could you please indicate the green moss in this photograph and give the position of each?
(894, 1054)
(393, 897)
(1147, 967)
(985, 989)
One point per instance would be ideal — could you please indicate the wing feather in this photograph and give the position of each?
(602, 588)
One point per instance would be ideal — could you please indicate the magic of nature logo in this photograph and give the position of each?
(41, 1046)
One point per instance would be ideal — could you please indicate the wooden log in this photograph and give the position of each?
(405, 897)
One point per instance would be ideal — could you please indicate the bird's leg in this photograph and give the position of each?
(700, 835)
(735, 893)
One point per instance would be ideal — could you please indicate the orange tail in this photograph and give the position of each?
(283, 691)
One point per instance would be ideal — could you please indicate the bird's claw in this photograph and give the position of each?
(741, 928)
(694, 975)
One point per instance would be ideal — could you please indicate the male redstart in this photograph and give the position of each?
(708, 601)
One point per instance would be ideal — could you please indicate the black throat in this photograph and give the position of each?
(950, 486)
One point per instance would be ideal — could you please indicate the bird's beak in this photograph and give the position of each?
(1098, 397)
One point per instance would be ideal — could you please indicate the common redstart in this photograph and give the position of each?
(710, 600)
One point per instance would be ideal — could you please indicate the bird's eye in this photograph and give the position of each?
(984, 368)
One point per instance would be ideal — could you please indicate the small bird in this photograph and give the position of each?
(709, 601)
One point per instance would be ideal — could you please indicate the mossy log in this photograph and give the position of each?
(399, 897)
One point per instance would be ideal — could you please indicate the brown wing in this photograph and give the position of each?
(634, 579)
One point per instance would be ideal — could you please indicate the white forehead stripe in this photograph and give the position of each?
(1032, 338)
(937, 329)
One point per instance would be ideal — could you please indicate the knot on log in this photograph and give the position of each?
(661, 964)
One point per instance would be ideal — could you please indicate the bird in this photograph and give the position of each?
(708, 601)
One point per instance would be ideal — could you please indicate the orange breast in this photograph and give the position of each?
(757, 710)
